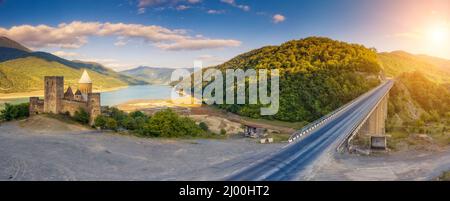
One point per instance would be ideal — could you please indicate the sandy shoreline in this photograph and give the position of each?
(40, 93)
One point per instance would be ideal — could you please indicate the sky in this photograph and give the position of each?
(124, 34)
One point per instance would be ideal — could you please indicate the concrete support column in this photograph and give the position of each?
(375, 125)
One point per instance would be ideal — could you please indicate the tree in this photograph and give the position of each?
(12, 112)
(317, 75)
(111, 124)
(81, 116)
(100, 121)
(167, 123)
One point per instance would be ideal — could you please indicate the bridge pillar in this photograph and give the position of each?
(375, 125)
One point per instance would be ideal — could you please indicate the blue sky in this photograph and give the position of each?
(173, 33)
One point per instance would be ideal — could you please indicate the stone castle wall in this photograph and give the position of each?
(36, 105)
(73, 106)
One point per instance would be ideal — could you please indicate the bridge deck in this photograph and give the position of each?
(290, 161)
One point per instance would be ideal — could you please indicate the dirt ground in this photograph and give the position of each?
(42, 148)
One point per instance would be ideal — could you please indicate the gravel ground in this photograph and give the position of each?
(27, 154)
(47, 150)
(405, 166)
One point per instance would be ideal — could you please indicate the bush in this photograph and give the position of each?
(111, 124)
(100, 121)
(223, 131)
(167, 123)
(12, 112)
(203, 126)
(81, 116)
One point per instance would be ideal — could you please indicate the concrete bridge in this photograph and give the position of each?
(328, 135)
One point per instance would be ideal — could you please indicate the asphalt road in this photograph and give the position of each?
(292, 160)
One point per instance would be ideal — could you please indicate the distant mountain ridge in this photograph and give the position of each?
(8, 43)
(397, 62)
(152, 75)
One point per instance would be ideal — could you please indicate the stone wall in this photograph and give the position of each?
(36, 105)
(73, 106)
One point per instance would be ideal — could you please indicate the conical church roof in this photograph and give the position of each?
(85, 79)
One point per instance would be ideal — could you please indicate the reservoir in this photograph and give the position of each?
(111, 98)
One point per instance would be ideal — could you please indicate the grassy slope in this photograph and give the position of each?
(398, 62)
(27, 74)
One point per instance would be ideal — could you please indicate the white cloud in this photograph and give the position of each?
(182, 7)
(142, 4)
(141, 10)
(145, 3)
(120, 43)
(278, 18)
(234, 4)
(75, 35)
(194, 1)
(199, 44)
(212, 11)
(65, 54)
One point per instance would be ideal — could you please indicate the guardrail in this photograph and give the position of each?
(315, 124)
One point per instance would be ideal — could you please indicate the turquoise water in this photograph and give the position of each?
(119, 96)
(135, 92)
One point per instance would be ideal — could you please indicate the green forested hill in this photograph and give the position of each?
(27, 74)
(417, 104)
(421, 92)
(317, 75)
(398, 62)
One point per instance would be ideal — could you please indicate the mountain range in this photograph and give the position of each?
(152, 75)
(317, 76)
(22, 70)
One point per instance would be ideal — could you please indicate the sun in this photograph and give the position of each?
(439, 34)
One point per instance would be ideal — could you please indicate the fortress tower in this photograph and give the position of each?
(85, 83)
(54, 93)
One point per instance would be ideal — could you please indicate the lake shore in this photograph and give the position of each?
(40, 93)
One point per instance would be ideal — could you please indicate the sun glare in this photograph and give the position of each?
(439, 34)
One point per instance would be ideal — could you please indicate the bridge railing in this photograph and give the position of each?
(315, 124)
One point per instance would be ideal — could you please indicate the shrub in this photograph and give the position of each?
(81, 116)
(223, 131)
(100, 121)
(203, 126)
(111, 124)
(12, 112)
(167, 123)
